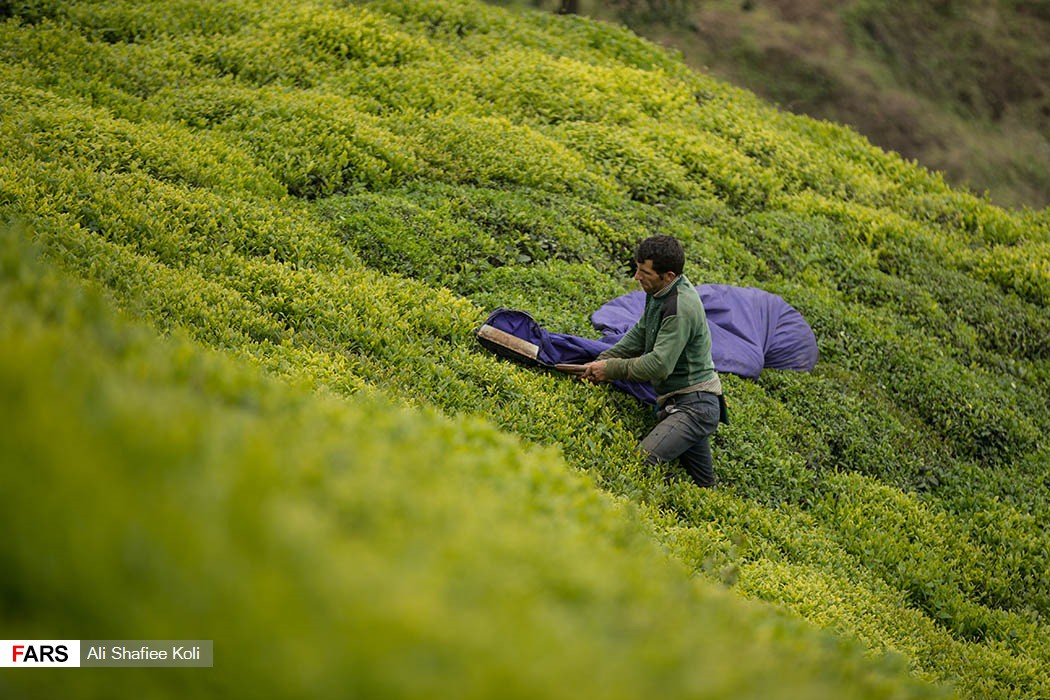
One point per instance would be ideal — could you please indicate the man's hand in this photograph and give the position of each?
(595, 372)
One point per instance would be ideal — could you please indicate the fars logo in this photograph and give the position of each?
(29, 653)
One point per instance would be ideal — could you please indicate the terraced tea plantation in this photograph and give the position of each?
(244, 247)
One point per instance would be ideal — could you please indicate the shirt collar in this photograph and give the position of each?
(667, 290)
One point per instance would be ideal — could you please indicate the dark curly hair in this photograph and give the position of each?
(665, 252)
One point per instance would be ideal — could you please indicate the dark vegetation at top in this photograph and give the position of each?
(959, 85)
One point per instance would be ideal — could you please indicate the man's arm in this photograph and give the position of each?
(656, 364)
(632, 344)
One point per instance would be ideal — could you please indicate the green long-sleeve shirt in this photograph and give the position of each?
(670, 346)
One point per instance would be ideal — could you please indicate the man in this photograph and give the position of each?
(671, 348)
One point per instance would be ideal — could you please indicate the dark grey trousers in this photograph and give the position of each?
(683, 430)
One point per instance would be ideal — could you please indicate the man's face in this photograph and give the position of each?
(651, 281)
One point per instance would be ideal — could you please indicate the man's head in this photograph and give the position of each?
(659, 260)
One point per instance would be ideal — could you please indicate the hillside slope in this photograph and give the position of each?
(335, 548)
(337, 193)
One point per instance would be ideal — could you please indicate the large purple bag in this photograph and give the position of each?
(751, 330)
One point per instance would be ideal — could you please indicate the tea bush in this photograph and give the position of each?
(316, 203)
(238, 507)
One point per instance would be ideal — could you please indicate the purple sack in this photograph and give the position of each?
(751, 330)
